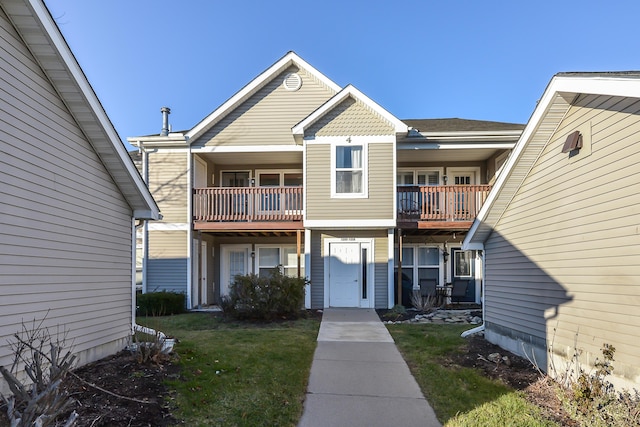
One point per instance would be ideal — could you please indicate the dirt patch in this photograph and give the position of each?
(515, 371)
(135, 382)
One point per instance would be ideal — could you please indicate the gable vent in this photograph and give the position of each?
(292, 81)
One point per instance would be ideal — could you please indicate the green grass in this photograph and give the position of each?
(460, 396)
(239, 374)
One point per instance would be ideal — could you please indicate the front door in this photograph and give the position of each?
(349, 273)
(344, 275)
(235, 261)
(463, 269)
(462, 203)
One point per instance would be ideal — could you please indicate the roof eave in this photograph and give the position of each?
(562, 86)
(291, 58)
(400, 128)
(32, 20)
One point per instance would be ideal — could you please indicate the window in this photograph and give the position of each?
(429, 263)
(349, 170)
(462, 264)
(235, 179)
(270, 257)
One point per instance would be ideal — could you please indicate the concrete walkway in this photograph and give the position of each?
(359, 378)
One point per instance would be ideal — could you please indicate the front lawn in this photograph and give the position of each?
(460, 396)
(239, 374)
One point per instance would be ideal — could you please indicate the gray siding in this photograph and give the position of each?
(168, 173)
(564, 260)
(167, 264)
(267, 117)
(381, 271)
(317, 270)
(65, 228)
(379, 204)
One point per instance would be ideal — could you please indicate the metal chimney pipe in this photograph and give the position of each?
(165, 121)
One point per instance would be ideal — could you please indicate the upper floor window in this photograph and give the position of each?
(349, 170)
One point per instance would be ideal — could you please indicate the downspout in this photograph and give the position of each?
(482, 300)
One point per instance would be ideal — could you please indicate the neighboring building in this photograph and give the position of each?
(70, 195)
(294, 170)
(561, 229)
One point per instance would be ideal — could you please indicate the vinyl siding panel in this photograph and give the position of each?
(564, 260)
(317, 270)
(378, 205)
(381, 271)
(167, 264)
(65, 228)
(168, 182)
(267, 117)
(350, 118)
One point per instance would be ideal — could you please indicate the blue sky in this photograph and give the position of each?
(485, 60)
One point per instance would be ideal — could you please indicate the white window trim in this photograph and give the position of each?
(471, 261)
(415, 265)
(365, 169)
(280, 256)
(474, 170)
(418, 171)
(282, 172)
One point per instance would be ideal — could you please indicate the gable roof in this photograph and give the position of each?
(348, 92)
(291, 58)
(556, 100)
(33, 21)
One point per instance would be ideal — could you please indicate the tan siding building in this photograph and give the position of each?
(67, 216)
(295, 171)
(563, 259)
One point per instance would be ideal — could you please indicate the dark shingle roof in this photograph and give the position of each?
(460, 125)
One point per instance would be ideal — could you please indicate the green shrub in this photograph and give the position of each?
(265, 297)
(160, 303)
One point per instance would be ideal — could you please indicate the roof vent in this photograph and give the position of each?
(292, 81)
(573, 142)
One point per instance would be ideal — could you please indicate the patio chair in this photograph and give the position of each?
(428, 287)
(459, 290)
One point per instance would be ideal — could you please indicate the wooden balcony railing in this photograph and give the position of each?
(271, 204)
(441, 202)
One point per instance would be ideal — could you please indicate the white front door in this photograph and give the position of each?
(235, 260)
(344, 275)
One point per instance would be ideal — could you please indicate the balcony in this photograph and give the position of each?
(440, 206)
(247, 208)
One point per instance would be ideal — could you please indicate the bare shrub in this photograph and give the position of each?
(423, 303)
(38, 399)
(590, 398)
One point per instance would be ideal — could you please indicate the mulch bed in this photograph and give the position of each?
(121, 374)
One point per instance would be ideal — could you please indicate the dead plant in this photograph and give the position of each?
(426, 303)
(40, 363)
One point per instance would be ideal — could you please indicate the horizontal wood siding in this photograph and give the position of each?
(65, 228)
(168, 173)
(379, 204)
(564, 260)
(267, 117)
(167, 265)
